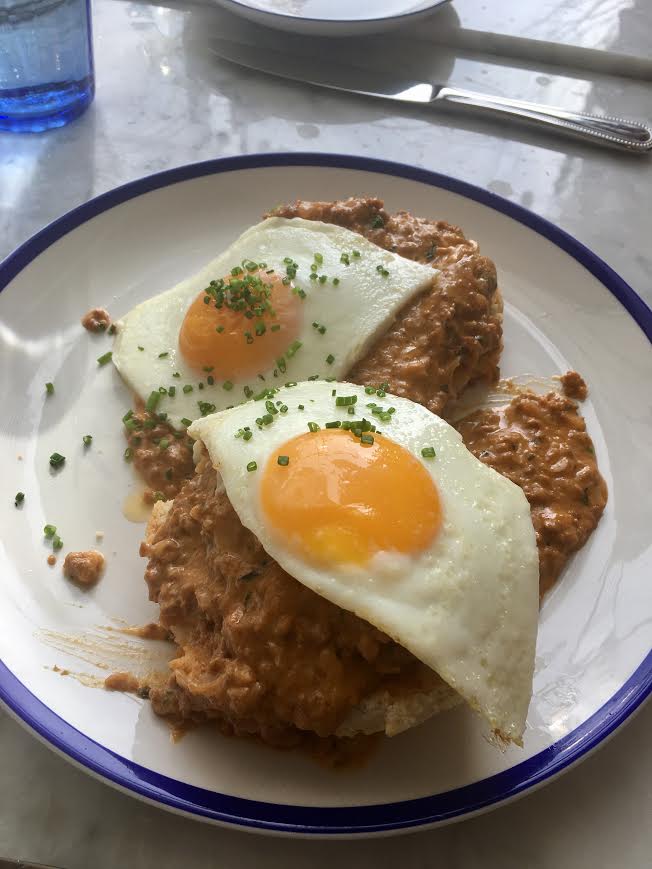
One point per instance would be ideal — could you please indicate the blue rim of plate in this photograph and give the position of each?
(345, 820)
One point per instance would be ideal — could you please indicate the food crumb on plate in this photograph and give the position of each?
(574, 386)
(84, 568)
(122, 682)
(52, 560)
(96, 320)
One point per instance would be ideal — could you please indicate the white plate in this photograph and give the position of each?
(565, 309)
(332, 17)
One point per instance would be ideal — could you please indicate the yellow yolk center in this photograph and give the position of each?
(338, 501)
(243, 337)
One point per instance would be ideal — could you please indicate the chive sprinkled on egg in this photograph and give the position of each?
(153, 400)
(57, 460)
(104, 358)
(87, 440)
(49, 388)
(19, 497)
(428, 452)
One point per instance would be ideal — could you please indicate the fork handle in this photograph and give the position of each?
(611, 132)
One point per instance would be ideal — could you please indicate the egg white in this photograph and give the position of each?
(354, 312)
(467, 606)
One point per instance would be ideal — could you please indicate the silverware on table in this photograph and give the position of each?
(21, 864)
(625, 135)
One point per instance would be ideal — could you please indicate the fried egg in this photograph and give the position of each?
(373, 502)
(289, 300)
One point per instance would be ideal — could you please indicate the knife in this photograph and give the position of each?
(624, 135)
(20, 864)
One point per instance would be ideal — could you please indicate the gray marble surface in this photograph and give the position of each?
(164, 99)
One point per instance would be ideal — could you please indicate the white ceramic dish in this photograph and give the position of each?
(564, 309)
(332, 17)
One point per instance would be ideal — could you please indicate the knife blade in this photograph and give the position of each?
(22, 864)
(618, 133)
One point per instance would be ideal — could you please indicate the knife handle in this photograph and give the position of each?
(610, 132)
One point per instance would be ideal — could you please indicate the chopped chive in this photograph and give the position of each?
(247, 435)
(104, 358)
(164, 443)
(283, 461)
(128, 454)
(127, 415)
(269, 406)
(152, 401)
(227, 385)
(318, 258)
(261, 328)
(140, 348)
(336, 423)
(366, 438)
(267, 419)
(112, 329)
(176, 374)
(205, 407)
(300, 407)
(428, 452)
(275, 327)
(283, 408)
(345, 400)
(377, 222)
(49, 531)
(312, 426)
(248, 391)
(210, 380)
(292, 349)
(252, 466)
(185, 421)
(219, 329)
(163, 355)
(172, 391)
(208, 368)
(200, 385)
(336, 281)
(57, 542)
(323, 279)
(291, 383)
(88, 440)
(57, 460)
(49, 388)
(330, 359)
(345, 259)
(187, 388)
(351, 409)
(19, 498)
(162, 390)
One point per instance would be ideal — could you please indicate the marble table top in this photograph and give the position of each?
(164, 99)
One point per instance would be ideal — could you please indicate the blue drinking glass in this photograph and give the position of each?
(46, 63)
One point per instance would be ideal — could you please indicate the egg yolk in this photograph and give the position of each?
(245, 325)
(338, 501)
